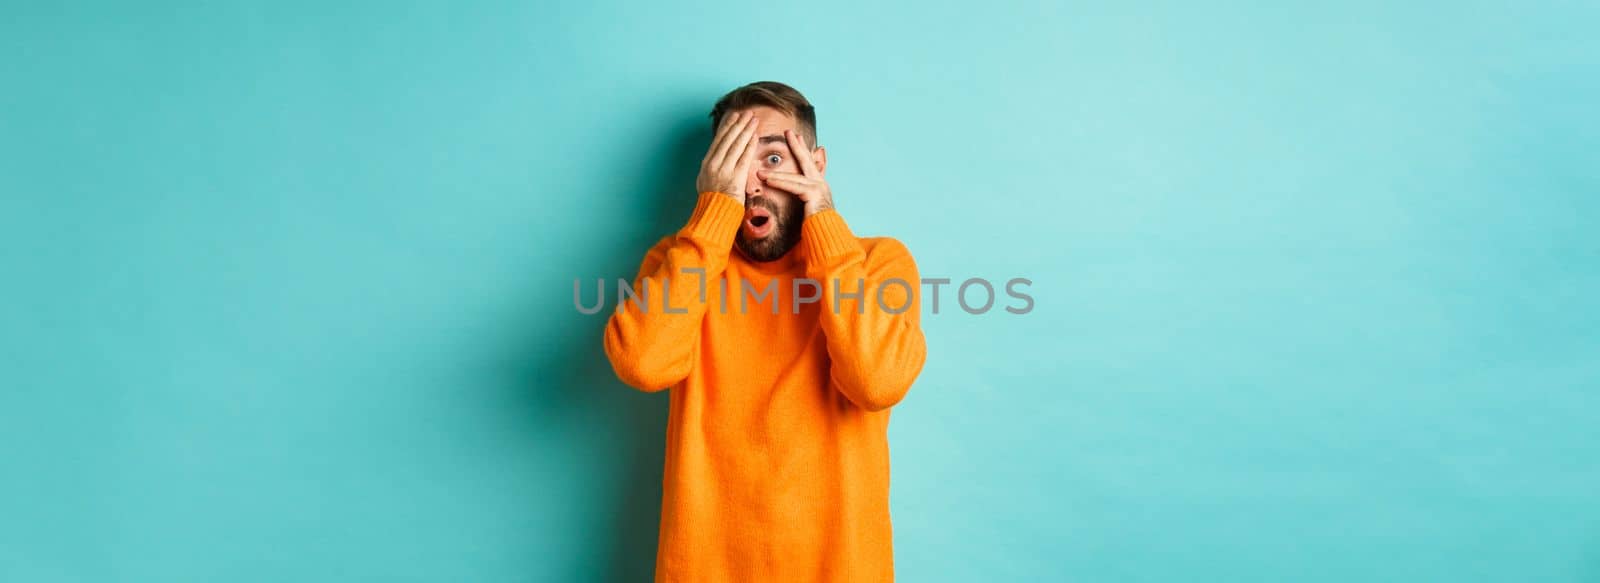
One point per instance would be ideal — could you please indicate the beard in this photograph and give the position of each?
(785, 229)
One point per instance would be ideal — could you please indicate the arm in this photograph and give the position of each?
(649, 348)
(877, 348)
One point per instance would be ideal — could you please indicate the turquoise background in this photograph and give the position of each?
(287, 286)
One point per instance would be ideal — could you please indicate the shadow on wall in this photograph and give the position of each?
(574, 381)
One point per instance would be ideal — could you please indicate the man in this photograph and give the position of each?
(777, 465)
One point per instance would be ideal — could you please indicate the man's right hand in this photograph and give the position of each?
(726, 166)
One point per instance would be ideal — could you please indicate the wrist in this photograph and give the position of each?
(826, 236)
(733, 191)
(715, 219)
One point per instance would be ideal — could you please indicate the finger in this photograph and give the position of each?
(797, 193)
(749, 154)
(729, 122)
(732, 140)
(786, 176)
(797, 185)
(740, 151)
(802, 154)
(732, 146)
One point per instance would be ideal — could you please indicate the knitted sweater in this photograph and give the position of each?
(777, 461)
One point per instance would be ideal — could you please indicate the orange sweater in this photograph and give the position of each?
(777, 465)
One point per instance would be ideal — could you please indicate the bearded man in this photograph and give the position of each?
(777, 461)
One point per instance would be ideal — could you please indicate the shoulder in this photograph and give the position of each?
(664, 243)
(883, 246)
(886, 251)
(658, 252)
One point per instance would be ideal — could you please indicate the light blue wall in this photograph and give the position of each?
(287, 286)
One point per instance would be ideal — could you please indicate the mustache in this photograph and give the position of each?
(764, 202)
(785, 210)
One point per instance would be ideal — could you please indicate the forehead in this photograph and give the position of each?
(771, 121)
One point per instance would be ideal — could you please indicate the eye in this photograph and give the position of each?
(774, 159)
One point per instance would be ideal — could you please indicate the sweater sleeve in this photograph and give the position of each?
(649, 347)
(875, 339)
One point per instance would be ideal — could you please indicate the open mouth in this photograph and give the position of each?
(758, 222)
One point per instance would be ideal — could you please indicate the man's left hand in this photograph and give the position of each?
(809, 184)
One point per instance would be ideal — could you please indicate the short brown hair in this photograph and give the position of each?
(771, 94)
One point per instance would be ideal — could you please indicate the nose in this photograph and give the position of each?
(752, 185)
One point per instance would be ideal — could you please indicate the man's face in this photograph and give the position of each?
(771, 216)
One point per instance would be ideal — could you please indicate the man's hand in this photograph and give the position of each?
(808, 184)
(727, 163)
